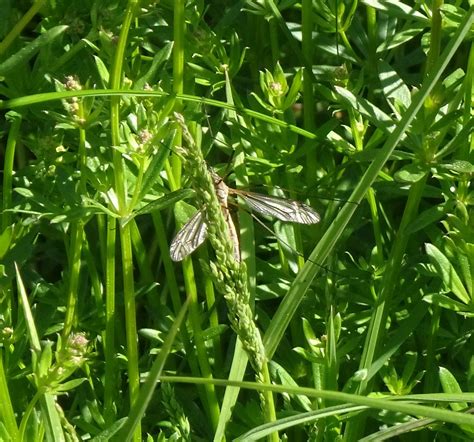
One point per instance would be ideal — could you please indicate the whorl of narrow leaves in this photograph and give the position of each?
(230, 276)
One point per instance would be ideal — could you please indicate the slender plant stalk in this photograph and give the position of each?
(125, 234)
(275, 47)
(172, 283)
(13, 134)
(309, 117)
(372, 44)
(196, 320)
(436, 33)
(75, 251)
(179, 31)
(7, 413)
(77, 236)
(217, 349)
(210, 398)
(110, 380)
(20, 25)
(247, 249)
(230, 276)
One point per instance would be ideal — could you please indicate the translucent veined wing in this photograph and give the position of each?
(283, 209)
(189, 238)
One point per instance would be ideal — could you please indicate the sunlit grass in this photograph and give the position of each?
(361, 110)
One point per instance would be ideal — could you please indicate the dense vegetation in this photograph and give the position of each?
(358, 327)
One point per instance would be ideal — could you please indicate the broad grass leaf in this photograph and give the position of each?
(448, 274)
(294, 91)
(183, 212)
(447, 303)
(45, 361)
(448, 121)
(458, 166)
(6, 240)
(450, 385)
(4, 435)
(397, 9)
(428, 217)
(374, 114)
(109, 432)
(400, 38)
(159, 59)
(153, 172)
(276, 290)
(411, 173)
(102, 70)
(69, 385)
(27, 52)
(278, 371)
(164, 201)
(394, 87)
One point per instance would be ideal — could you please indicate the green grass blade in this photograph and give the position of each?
(148, 388)
(310, 270)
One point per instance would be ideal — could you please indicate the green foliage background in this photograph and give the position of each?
(362, 109)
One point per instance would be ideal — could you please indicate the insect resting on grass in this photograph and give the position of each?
(194, 232)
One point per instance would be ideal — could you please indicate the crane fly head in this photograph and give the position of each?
(222, 191)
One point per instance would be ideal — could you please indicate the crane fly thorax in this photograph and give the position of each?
(222, 191)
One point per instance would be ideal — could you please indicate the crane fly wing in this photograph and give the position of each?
(280, 208)
(189, 238)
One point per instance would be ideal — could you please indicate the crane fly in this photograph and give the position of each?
(194, 232)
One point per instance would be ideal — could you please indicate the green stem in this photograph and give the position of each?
(357, 134)
(179, 33)
(196, 320)
(77, 235)
(208, 394)
(269, 404)
(27, 414)
(275, 50)
(376, 225)
(309, 117)
(7, 413)
(21, 24)
(431, 380)
(436, 34)
(138, 186)
(75, 250)
(110, 380)
(125, 233)
(372, 33)
(372, 46)
(173, 287)
(307, 27)
(13, 134)
(130, 315)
